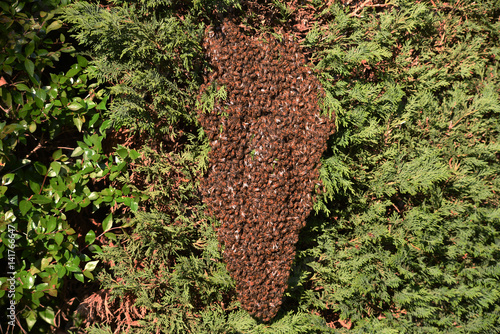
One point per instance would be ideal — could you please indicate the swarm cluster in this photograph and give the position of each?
(266, 139)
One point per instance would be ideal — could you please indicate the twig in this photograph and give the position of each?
(365, 4)
(359, 8)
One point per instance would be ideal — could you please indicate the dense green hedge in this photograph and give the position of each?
(411, 242)
(404, 239)
(51, 159)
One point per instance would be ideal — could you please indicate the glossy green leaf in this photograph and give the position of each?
(47, 315)
(54, 26)
(22, 87)
(134, 154)
(57, 154)
(31, 319)
(28, 281)
(59, 237)
(56, 166)
(107, 222)
(93, 196)
(77, 152)
(28, 50)
(90, 266)
(40, 199)
(82, 61)
(8, 179)
(78, 122)
(75, 106)
(35, 297)
(74, 71)
(88, 274)
(79, 276)
(122, 152)
(40, 168)
(25, 206)
(32, 127)
(45, 263)
(29, 66)
(90, 237)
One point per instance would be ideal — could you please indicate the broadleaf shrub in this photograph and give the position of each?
(51, 163)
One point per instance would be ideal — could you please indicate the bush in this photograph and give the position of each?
(405, 237)
(409, 240)
(51, 161)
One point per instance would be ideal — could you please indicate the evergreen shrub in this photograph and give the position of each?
(406, 237)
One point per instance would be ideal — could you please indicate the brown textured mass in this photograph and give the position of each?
(266, 141)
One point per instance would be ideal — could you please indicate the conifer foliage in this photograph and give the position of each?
(405, 237)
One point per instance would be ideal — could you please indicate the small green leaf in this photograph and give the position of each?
(88, 274)
(29, 66)
(94, 119)
(57, 154)
(70, 231)
(54, 26)
(82, 61)
(8, 179)
(51, 224)
(32, 127)
(93, 196)
(59, 237)
(102, 104)
(78, 151)
(95, 249)
(104, 126)
(7, 69)
(79, 276)
(90, 237)
(40, 199)
(78, 122)
(31, 319)
(25, 206)
(28, 281)
(70, 205)
(85, 202)
(133, 154)
(122, 152)
(75, 106)
(60, 270)
(22, 87)
(28, 50)
(134, 206)
(56, 166)
(45, 263)
(47, 315)
(90, 266)
(110, 236)
(107, 222)
(35, 297)
(72, 72)
(34, 186)
(40, 168)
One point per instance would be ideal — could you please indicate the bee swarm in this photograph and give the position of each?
(264, 160)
